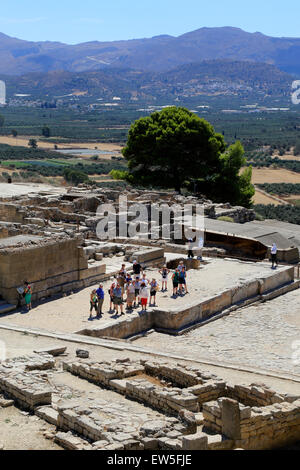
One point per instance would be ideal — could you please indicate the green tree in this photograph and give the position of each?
(170, 147)
(231, 184)
(175, 148)
(2, 120)
(75, 176)
(14, 133)
(297, 149)
(46, 131)
(32, 143)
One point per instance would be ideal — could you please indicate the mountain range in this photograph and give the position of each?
(157, 54)
(211, 77)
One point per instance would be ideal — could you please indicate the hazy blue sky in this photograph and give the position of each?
(74, 21)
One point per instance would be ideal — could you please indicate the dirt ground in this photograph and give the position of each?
(22, 431)
(261, 198)
(23, 142)
(270, 175)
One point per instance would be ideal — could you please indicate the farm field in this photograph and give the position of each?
(23, 142)
(261, 198)
(288, 156)
(271, 175)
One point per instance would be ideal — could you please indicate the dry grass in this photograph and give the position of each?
(260, 198)
(23, 142)
(271, 175)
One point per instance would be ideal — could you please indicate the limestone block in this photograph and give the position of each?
(231, 421)
(198, 441)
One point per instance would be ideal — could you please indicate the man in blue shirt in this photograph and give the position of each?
(100, 295)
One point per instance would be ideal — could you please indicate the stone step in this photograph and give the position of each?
(6, 307)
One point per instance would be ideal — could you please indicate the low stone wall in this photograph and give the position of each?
(233, 416)
(25, 388)
(109, 431)
(10, 212)
(164, 399)
(175, 320)
(254, 428)
(255, 395)
(270, 427)
(188, 387)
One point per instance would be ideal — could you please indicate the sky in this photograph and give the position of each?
(74, 21)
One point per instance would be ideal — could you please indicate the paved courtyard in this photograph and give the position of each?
(263, 335)
(71, 313)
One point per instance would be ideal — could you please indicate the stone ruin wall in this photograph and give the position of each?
(52, 265)
(231, 416)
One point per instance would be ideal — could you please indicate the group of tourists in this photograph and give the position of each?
(138, 289)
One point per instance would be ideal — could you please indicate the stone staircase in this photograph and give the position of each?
(6, 307)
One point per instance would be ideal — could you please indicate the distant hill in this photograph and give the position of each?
(208, 77)
(157, 54)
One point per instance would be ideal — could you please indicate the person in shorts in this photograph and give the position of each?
(164, 278)
(182, 281)
(153, 289)
(175, 279)
(93, 302)
(144, 296)
(117, 296)
(122, 278)
(27, 295)
(137, 286)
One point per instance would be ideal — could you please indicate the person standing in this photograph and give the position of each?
(180, 266)
(137, 286)
(93, 303)
(117, 296)
(200, 248)
(164, 278)
(137, 269)
(145, 280)
(130, 291)
(122, 278)
(274, 255)
(190, 247)
(175, 279)
(144, 296)
(110, 291)
(154, 287)
(100, 296)
(182, 281)
(28, 295)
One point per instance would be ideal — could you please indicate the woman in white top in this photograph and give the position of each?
(144, 294)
